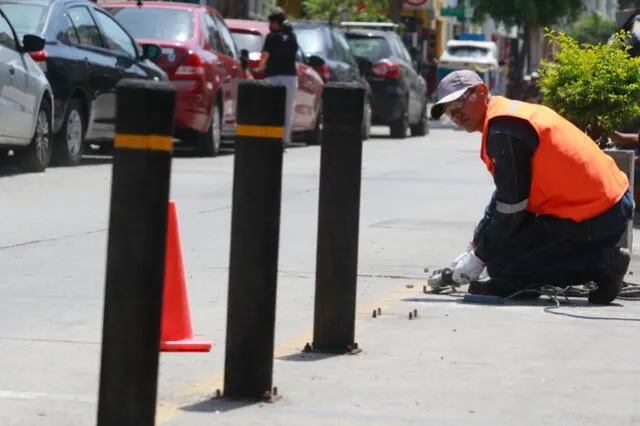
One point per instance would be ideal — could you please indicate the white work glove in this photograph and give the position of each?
(467, 267)
(461, 256)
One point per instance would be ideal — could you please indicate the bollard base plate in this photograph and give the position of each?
(352, 349)
(271, 397)
(268, 396)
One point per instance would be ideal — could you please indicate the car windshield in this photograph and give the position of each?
(371, 48)
(155, 22)
(250, 41)
(26, 18)
(468, 51)
(310, 40)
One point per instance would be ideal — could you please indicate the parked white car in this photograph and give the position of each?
(26, 100)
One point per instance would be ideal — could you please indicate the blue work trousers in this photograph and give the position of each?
(547, 250)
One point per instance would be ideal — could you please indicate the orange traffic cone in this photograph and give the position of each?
(177, 334)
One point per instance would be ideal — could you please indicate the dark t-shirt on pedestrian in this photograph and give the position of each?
(282, 46)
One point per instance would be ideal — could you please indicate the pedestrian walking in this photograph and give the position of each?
(560, 203)
(279, 63)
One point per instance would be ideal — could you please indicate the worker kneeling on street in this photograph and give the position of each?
(560, 204)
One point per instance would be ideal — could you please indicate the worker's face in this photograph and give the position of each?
(469, 110)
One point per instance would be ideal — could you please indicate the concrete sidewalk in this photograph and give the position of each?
(455, 364)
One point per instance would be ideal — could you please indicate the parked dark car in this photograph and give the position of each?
(86, 53)
(318, 38)
(399, 92)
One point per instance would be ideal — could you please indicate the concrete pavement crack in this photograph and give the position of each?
(48, 240)
(391, 276)
(310, 274)
(42, 340)
(284, 197)
(305, 274)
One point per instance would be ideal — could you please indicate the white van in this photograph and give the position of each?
(480, 56)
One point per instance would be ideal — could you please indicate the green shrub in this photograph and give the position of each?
(596, 87)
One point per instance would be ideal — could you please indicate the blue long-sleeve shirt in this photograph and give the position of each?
(511, 143)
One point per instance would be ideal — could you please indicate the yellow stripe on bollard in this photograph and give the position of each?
(275, 132)
(146, 142)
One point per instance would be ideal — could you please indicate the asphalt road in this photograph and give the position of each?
(421, 198)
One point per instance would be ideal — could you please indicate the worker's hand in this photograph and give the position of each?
(467, 267)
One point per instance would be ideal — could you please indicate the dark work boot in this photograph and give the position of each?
(611, 277)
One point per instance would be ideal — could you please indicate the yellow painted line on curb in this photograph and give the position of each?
(195, 392)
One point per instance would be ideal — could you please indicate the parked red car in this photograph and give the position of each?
(201, 59)
(249, 36)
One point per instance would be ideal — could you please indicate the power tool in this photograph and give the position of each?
(440, 278)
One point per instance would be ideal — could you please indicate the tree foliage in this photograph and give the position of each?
(538, 14)
(628, 4)
(529, 16)
(350, 10)
(596, 87)
(592, 29)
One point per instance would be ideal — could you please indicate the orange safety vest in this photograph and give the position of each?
(572, 178)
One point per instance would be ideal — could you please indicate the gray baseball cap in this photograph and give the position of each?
(451, 87)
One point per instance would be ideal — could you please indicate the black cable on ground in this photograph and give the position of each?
(551, 310)
(629, 291)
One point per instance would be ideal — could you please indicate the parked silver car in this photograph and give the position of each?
(26, 100)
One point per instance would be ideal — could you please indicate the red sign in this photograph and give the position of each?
(416, 3)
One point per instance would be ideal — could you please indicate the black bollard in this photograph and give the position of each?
(136, 253)
(255, 233)
(338, 218)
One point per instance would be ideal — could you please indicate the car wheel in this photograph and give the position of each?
(421, 128)
(208, 143)
(69, 144)
(401, 125)
(366, 122)
(314, 137)
(37, 155)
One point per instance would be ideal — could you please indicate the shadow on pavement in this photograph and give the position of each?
(90, 160)
(215, 405)
(450, 299)
(9, 166)
(8, 171)
(308, 356)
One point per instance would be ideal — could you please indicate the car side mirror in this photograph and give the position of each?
(151, 51)
(315, 61)
(32, 43)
